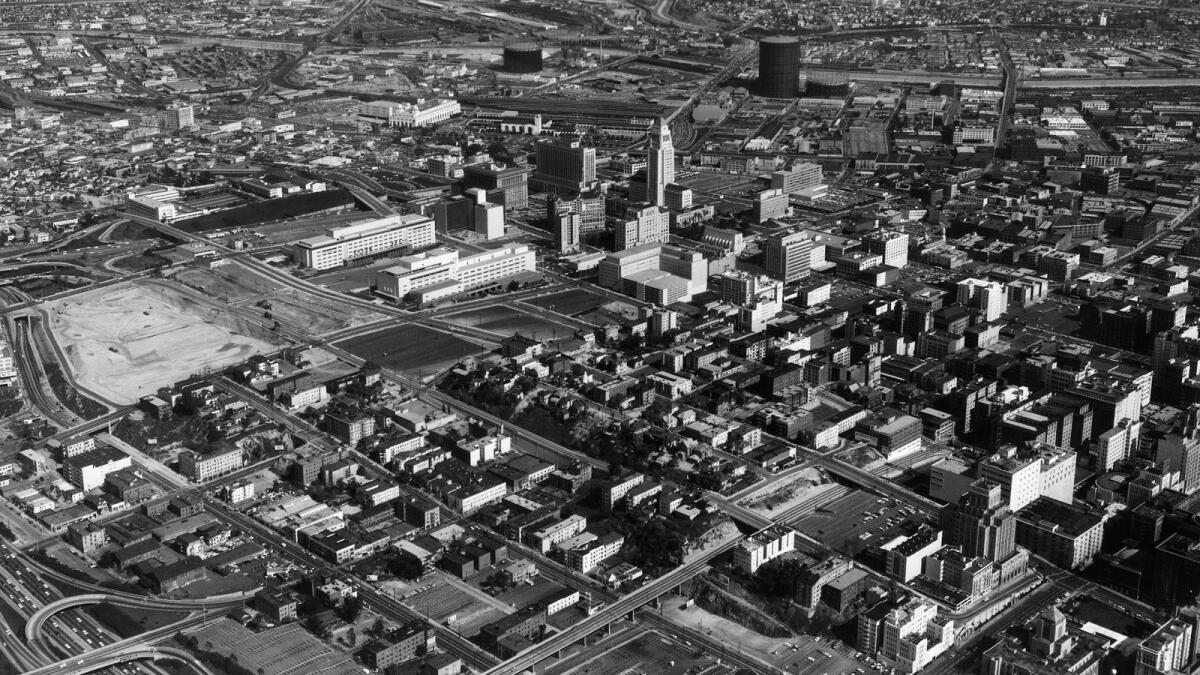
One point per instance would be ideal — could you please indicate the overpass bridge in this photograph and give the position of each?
(33, 627)
(96, 661)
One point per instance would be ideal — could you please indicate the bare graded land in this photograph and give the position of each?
(787, 493)
(125, 341)
(239, 285)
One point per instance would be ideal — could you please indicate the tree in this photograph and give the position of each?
(351, 637)
(406, 567)
(777, 578)
(351, 609)
(378, 627)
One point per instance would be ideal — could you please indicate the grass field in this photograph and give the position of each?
(572, 302)
(131, 231)
(507, 320)
(141, 263)
(412, 349)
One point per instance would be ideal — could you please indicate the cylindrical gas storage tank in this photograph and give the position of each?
(523, 57)
(778, 66)
(826, 84)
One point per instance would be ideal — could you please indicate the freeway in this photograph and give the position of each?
(454, 643)
(1010, 91)
(29, 367)
(33, 627)
(130, 649)
(875, 482)
(626, 604)
(541, 89)
(556, 572)
(296, 427)
(660, 14)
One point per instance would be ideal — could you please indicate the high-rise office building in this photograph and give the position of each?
(1171, 648)
(589, 205)
(1180, 448)
(645, 224)
(892, 245)
(564, 166)
(770, 204)
(802, 176)
(913, 635)
(505, 185)
(981, 523)
(788, 256)
(989, 297)
(660, 163)
(678, 197)
(179, 117)
(565, 223)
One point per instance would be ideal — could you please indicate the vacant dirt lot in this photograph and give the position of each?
(238, 285)
(128, 340)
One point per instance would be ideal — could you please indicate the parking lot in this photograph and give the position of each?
(857, 521)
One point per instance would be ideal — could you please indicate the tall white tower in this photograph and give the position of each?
(660, 163)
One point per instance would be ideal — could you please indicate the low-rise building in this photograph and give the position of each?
(587, 557)
(399, 646)
(203, 467)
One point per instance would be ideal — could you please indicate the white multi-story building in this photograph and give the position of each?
(643, 225)
(547, 537)
(802, 176)
(1024, 476)
(147, 207)
(378, 492)
(440, 273)
(983, 134)
(989, 297)
(178, 116)
(660, 163)
(612, 494)
(482, 450)
(485, 268)
(670, 385)
(468, 499)
(420, 114)
(201, 468)
(240, 491)
(905, 555)
(489, 220)
(1168, 650)
(401, 446)
(655, 273)
(587, 557)
(914, 635)
(760, 548)
(890, 244)
(8, 368)
(564, 599)
(88, 470)
(362, 240)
